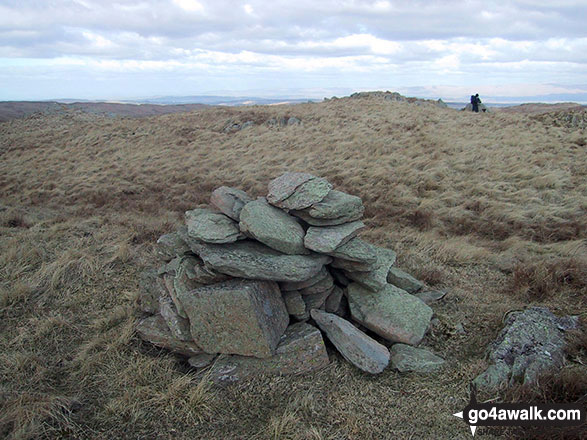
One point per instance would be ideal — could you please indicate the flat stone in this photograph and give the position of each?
(327, 238)
(324, 284)
(298, 285)
(300, 350)
(245, 317)
(406, 358)
(211, 227)
(273, 227)
(356, 250)
(202, 274)
(295, 304)
(430, 296)
(170, 246)
(179, 326)
(149, 291)
(351, 266)
(201, 360)
(404, 280)
(154, 330)
(355, 346)
(305, 195)
(183, 282)
(253, 260)
(332, 304)
(376, 278)
(390, 312)
(335, 209)
(229, 201)
(317, 300)
(285, 185)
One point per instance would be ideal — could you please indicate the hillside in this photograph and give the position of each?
(489, 207)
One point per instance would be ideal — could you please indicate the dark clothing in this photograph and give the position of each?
(475, 103)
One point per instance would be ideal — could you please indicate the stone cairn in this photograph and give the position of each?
(243, 286)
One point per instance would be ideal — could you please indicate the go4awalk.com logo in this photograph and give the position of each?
(521, 414)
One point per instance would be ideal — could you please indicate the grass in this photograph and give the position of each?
(489, 207)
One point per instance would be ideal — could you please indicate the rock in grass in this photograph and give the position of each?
(430, 296)
(390, 312)
(326, 239)
(253, 260)
(170, 246)
(335, 209)
(230, 201)
(355, 346)
(245, 317)
(273, 227)
(201, 360)
(179, 327)
(154, 330)
(356, 250)
(404, 280)
(300, 350)
(376, 278)
(406, 358)
(211, 227)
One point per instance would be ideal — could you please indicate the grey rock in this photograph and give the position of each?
(406, 358)
(273, 227)
(201, 360)
(285, 185)
(229, 201)
(335, 209)
(249, 259)
(295, 304)
(430, 296)
(324, 284)
(339, 277)
(300, 350)
(298, 285)
(351, 266)
(179, 326)
(170, 267)
(332, 304)
(297, 190)
(170, 246)
(247, 125)
(245, 317)
(317, 300)
(325, 239)
(149, 291)
(293, 121)
(404, 280)
(376, 278)
(390, 312)
(183, 282)
(531, 343)
(211, 227)
(355, 346)
(202, 274)
(154, 330)
(356, 250)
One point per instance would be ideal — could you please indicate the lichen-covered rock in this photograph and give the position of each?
(295, 304)
(273, 227)
(183, 282)
(430, 296)
(285, 185)
(332, 304)
(179, 326)
(406, 358)
(170, 246)
(335, 209)
(253, 260)
(316, 300)
(201, 360)
(376, 278)
(149, 291)
(245, 317)
(229, 201)
(324, 284)
(355, 346)
(297, 190)
(154, 330)
(298, 285)
(356, 250)
(211, 227)
(326, 239)
(404, 280)
(300, 350)
(390, 312)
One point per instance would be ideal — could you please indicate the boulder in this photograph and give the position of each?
(297, 190)
(376, 278)
(170, 246)
(273, 227)
(229, 201)
(301, 350)
(179, 327)
(211, 227)
(335, 209)
(253, 260)
(356, 250)
(154, 330)
(406, 358)
(404, 280)
(245, 317)
(391, 312)
(355, 346)
(327, 238)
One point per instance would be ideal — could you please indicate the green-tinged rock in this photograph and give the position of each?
(183, 282)
(332, 304)
(179, 326)
(406, 358)
(335, 209)
(245, 317)
(229, 201)
(298, 285)
(376, 278)
(297, 190)
(350, 266)
(317, 300)
(355, 346)
(170, 246)
(300, 350)
(285, 185)
(390, 312)
(356, 250)
(201, 360)
(324, 284)
(149, 291)
(211, 227)
(253, 260)
(326, 239)
(430, 296)
(154, 330)
(295, 304)
(404, 280)
(273, 227)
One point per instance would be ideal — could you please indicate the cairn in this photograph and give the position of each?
(248, 286)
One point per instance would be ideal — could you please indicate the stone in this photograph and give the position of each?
(335, 209)
(295, 304)
(356, 250)
(531, 343)
(245, 317)
(327, 238)
(332, 304)
(376, 278)
(211, 227)
(179, 326)
(298, 285)
(406, 358)
(253, 260)
(300, 350)
(404, 280)
(272, 227)
(350, 266)
(154, 330)
(293, 121)
(285, 185)
(149, 291)
(317, 300)
(170, 246)
(339, 277)
(324, 284)
(229, 201)
(183, 282)
(202, 274)
(391, 312)
(297, 190)
(430, 296)
(355, 346)
(170, 267)
(201, 360)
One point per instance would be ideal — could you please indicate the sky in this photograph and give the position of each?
(130, 49)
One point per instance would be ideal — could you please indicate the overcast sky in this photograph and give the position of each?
(107, 49)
